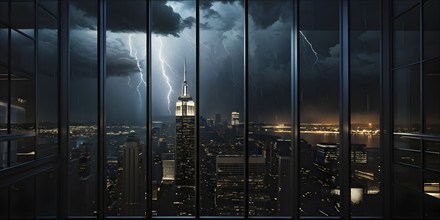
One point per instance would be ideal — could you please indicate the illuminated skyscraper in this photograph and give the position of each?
(235, 118)
(185, 150)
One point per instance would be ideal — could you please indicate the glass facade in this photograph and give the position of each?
(244, 108)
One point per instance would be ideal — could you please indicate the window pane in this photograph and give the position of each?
(270, 109)
(83, 108)
(365, 68)
(431, 29)
(22, 53)
(126, 108)
(46, 195)
(406, 44)
(47, 84)
(22, 199)
(431, 96)
(173, 109)
(407, 99)
(4, 85)
(319, 101)
(23, 16)
(221, 109)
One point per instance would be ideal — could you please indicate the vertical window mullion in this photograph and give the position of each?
(101, 110)
(197, 110)
(246, 109)
(295, 142)
(386, 121)
(422, 112)
(63, 51)
(149, 145)
(344, 111)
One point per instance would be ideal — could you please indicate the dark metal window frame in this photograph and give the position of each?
(386, 113)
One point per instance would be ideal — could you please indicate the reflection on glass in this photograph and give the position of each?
(406, 38)
(173, 110)
(365, 68)
(47, 85)
(407, 157)
(401, 142)
(431, 29)
(221, 110)
(22, 151)
(319, 103)
(431, 88)
(125, 99)
(432, 155)
(22, 103)
(83, 108)
(407, 99)
(50, 5)
(269, 110)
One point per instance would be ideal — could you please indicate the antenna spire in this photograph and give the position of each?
(184, 70)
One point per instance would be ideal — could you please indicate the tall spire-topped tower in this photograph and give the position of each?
(185, 104)
(185, 84)
(185, 151)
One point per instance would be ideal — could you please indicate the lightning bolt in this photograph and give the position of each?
(133, 53)
(129, 81)
(163, 63)
(311, 47)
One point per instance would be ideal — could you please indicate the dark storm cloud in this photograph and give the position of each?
(207, 7)
(266, 13)
(125, 16)
(168, 22)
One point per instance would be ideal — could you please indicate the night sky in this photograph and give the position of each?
(221, 59)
